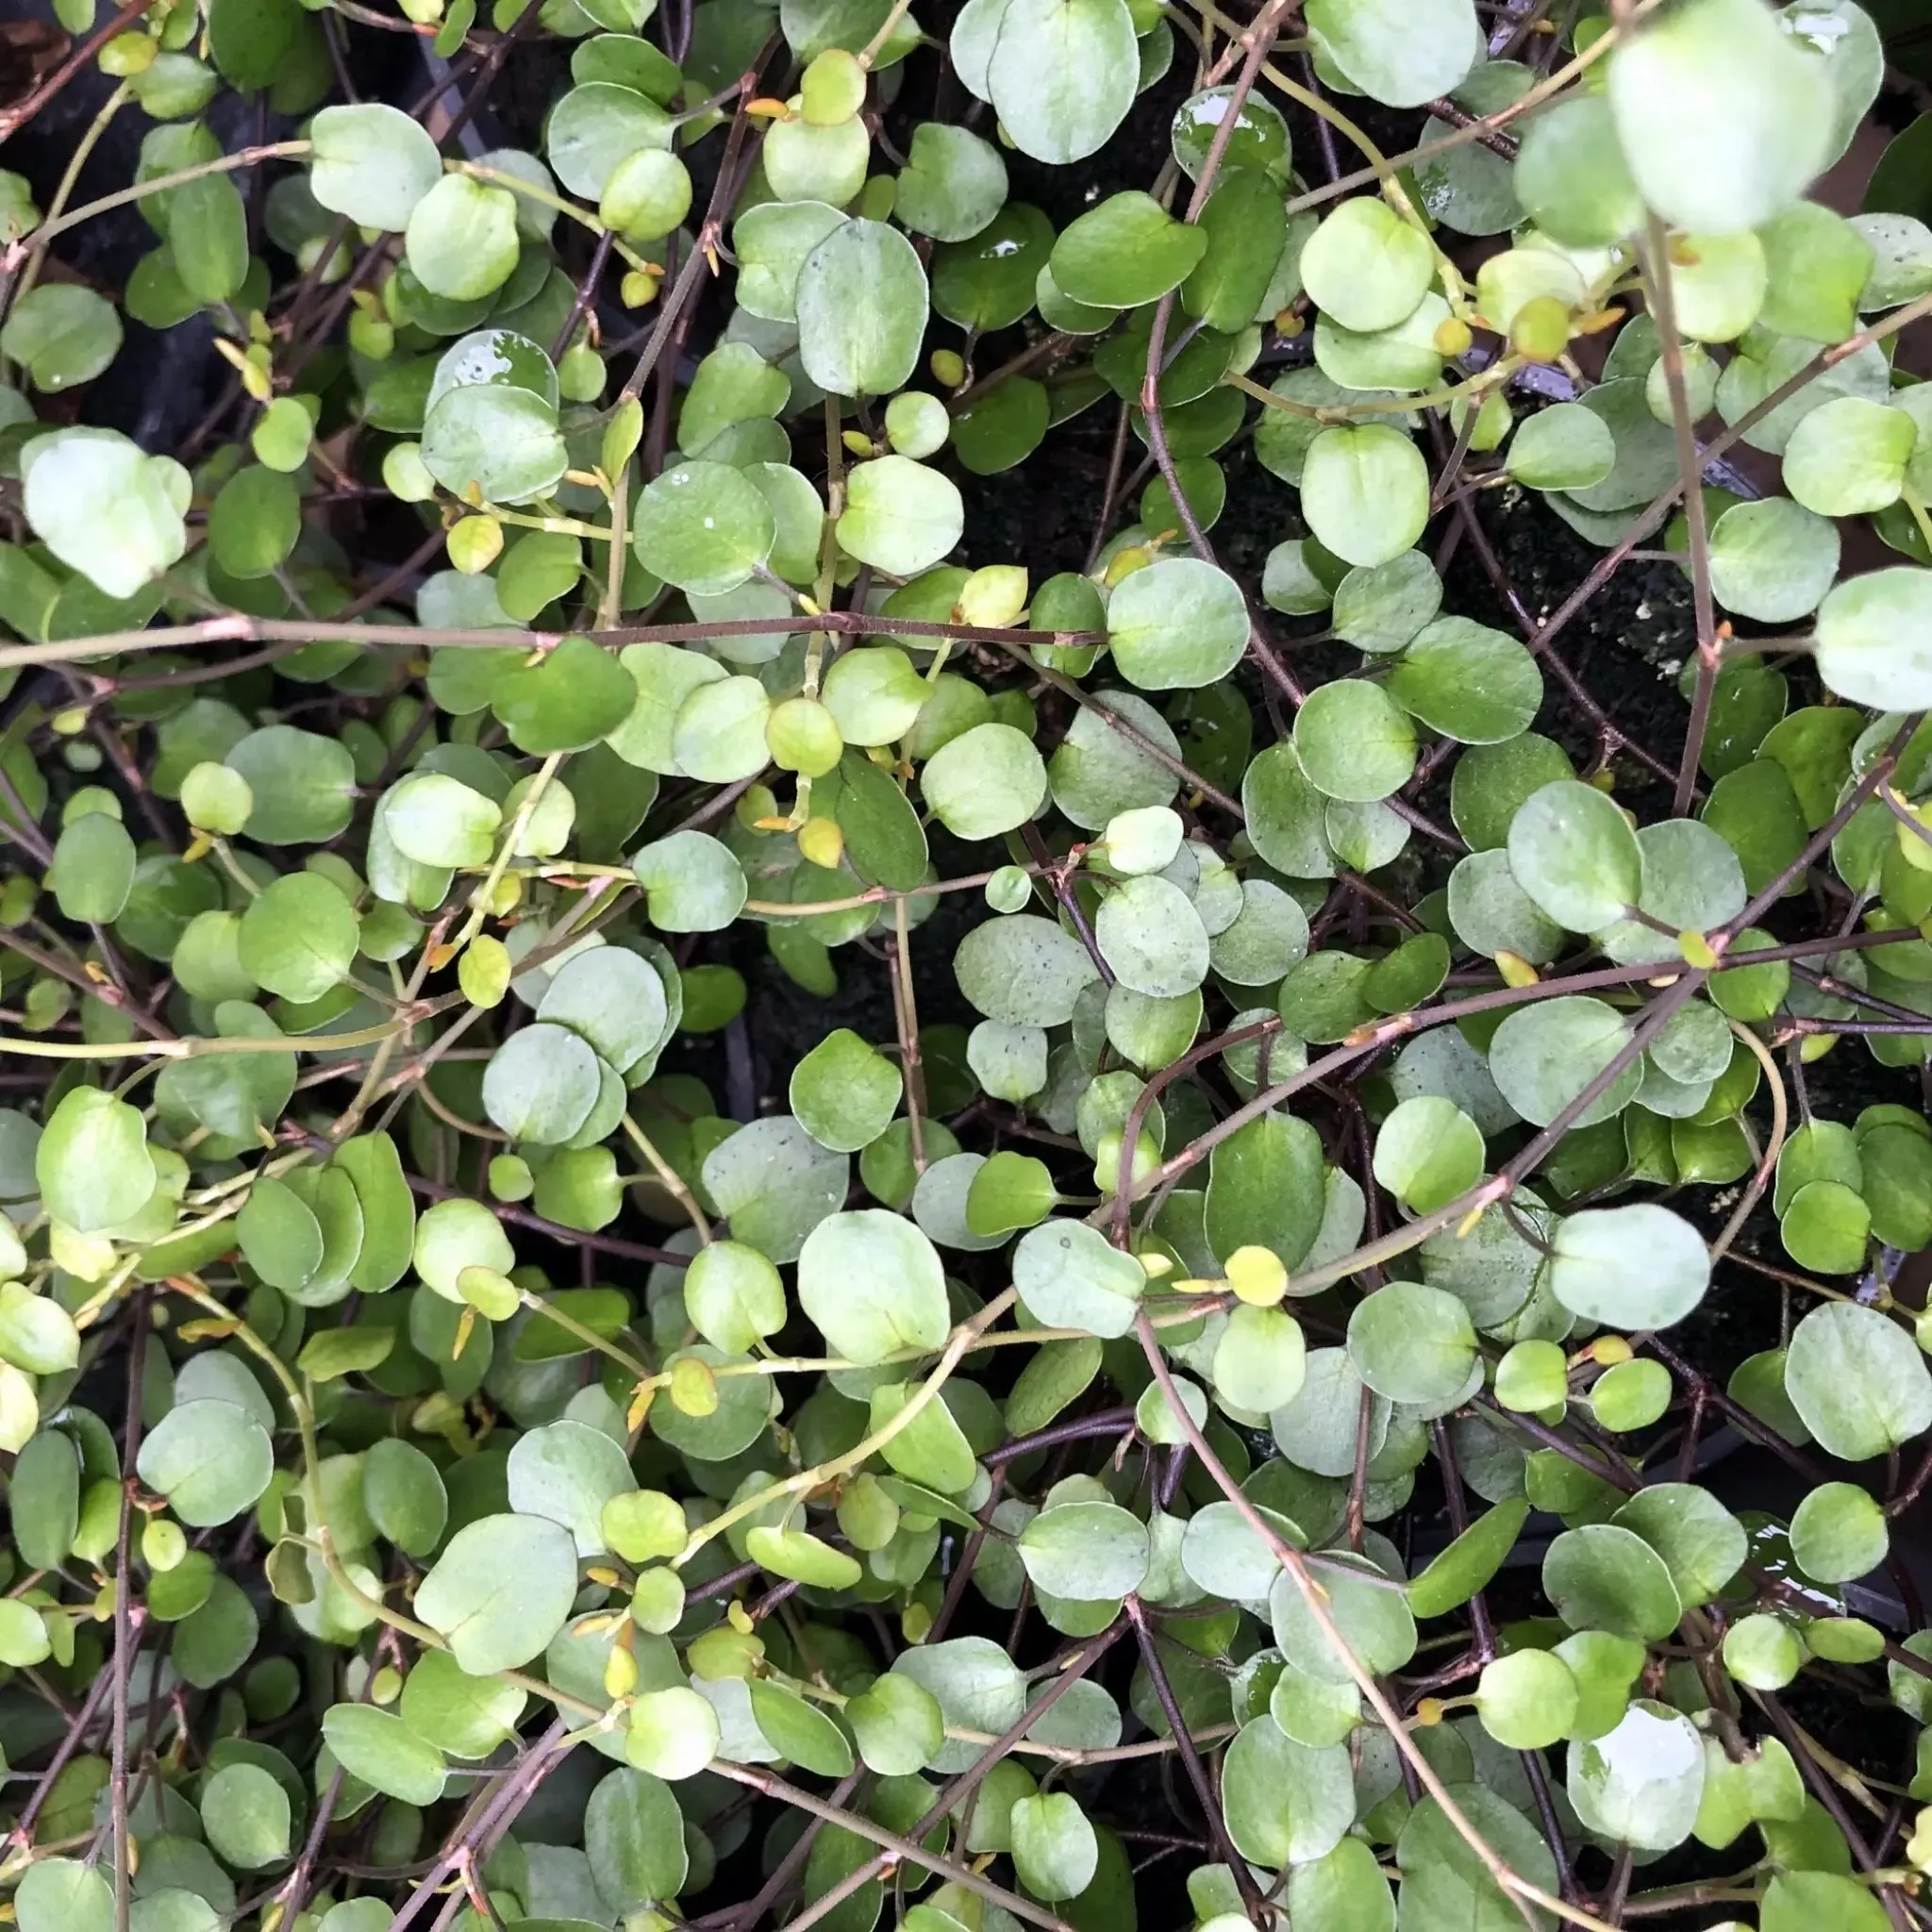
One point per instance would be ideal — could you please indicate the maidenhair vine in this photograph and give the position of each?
(964, 966)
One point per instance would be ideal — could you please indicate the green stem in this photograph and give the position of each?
(808, 1479)
(547, 1312)
(82, 149)
(673, 1181)
(498, 177)
(222, 164)
(237, 627)
(479, 899)
(195, 1047)
(1916, 504)
(1498, 372)
(871, 49)
(611, 608)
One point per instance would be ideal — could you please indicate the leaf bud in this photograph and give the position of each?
(803, 736)
(1540, 330)
(822, 842)
(128, 54)
(474, 545)
(1257, 1276)
(995, 596)
(832, 88)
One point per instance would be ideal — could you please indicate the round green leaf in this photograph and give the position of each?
(461, 239)
(1063, 74)
(862, 307)
(377, 1747)
(1839, 1533)
(1571, 176)
(1805, 1901)
(210, 1460)
(1366, 266)
(692, 882)
(406, 1502)
(1367, 1607)
(951, 185)
(1467, 681)
(1126, 251)
(977, 1686)
(771, 241)
(1427, 1152)
(541, 1084)
(1526, 1700)
(1857, 1381)
(298, 938)
(104, 507)
(673, 1733)
(303, 785)
(900, 516)
(1413, 1344)
(498, 441)
(373, 163)
(774, 1184)
(1604, 1577)
(1177, 624)
(63, 1896)
(1643, 1782)
(1071, 1277)
(92, 1165)
(898, 1723)
(1773, 561)
(1365, 492)
(1872, 633)
(1723, 118)
(704, 526)
(1284, 1804)
(635, 1840)
(63, 333)
(1573, 851)
(1566, 447)
(455, 1235)
(1085, 1550)
(437, 820)
(873, 1285)
(36, 1334)
(93, 868)
(987, 780)
(247, 1818)
(614, 999)
(1849, 456)
(567, 1471)
(844, 1092)
(1353, 742)
(1544, 1055)
(23, 1639)
(1636, 1267)
(1399, 52)
(1151, 936)
(1055, 1850)
(595, 127)
(1260, 1362)
(500, 1591)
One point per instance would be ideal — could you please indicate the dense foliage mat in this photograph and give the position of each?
(722, 1206)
